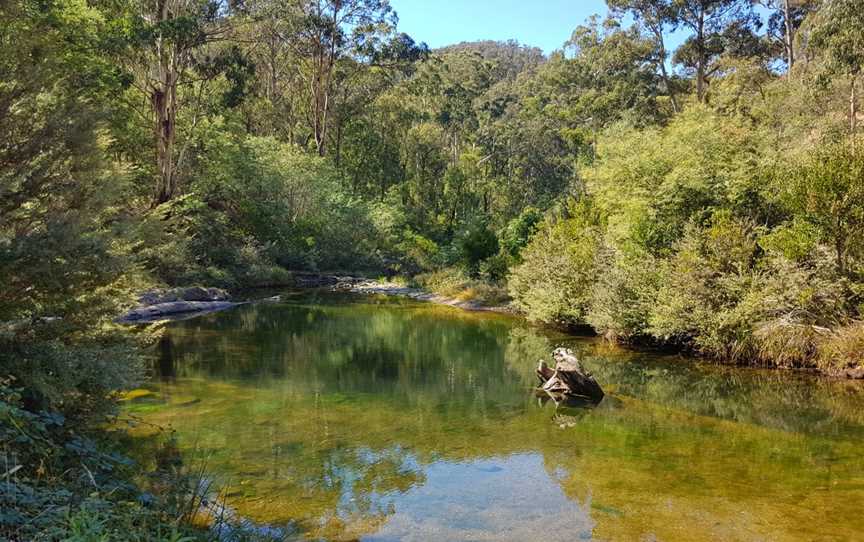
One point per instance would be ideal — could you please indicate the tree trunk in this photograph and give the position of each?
(319, 123)
(568, 380)
(337, 156)
(789, 35)
(840, 254)
(700, 60)
(658, 33)
(853, 105)
(163, 101)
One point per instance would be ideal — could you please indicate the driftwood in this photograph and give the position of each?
(568, 381)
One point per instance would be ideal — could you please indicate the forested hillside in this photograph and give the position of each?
(708, 196)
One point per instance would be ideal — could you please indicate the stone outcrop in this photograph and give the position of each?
(164, 311)
(192, 293)
(177, 303)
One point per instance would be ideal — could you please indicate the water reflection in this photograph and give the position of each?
(500, 498)
(355, 419)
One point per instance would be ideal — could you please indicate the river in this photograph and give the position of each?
(334, 417)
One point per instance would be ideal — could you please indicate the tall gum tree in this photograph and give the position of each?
(655, 16)
(325, 33)
(839, 32)
(166, 40)
(706, 20)
(784, 21)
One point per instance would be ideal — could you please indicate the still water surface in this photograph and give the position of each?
(356, 418)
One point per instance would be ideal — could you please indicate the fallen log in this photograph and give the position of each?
(568, 381)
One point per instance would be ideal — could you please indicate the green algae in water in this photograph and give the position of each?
(361, 418)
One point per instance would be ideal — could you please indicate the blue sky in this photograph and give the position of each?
(544, 23)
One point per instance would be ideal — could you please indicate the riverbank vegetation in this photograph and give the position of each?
(709, 197)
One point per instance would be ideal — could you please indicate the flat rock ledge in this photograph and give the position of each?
(163, 311)
(180, 304)
(161, 296)
(173, 309)
(393, 289)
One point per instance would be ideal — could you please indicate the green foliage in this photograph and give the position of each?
(837, 31)
(825, 189)
(653, 182)
(553, 282)
(623, 295)
(56, 250)
(795, 241)
(707, 289)
(454, 283)
(519, 231)
(476, 244)
(614, 70)
(258, 208)
(707, 243)
(64, 478)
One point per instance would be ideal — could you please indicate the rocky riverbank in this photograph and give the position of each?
(364, 286)
(180, 303)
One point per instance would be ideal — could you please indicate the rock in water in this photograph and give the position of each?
(161, 311)
(192, 293)
(568, 380)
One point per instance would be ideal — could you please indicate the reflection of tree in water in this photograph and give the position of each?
(364, 483)
(524, 348)
(167, 362)
(767, 398)
(406, 353)
(330, 413)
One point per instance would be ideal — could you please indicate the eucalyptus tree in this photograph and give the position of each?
(265, 36)
(510, 58)
(712, 23)
(377, 65)
(168, 52)
(325, 35)
(608, 73)
(786, 18)
(837, 31)
(656, 16)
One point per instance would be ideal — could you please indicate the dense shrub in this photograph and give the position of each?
(518, 231)
(553, 282)
(843, 348)
(455, 283)
(64, 474)
(652, 183)
(623, 295)
(257, 208)
(707, 250)
(825, 189)
(706, 290)
(476, 244)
